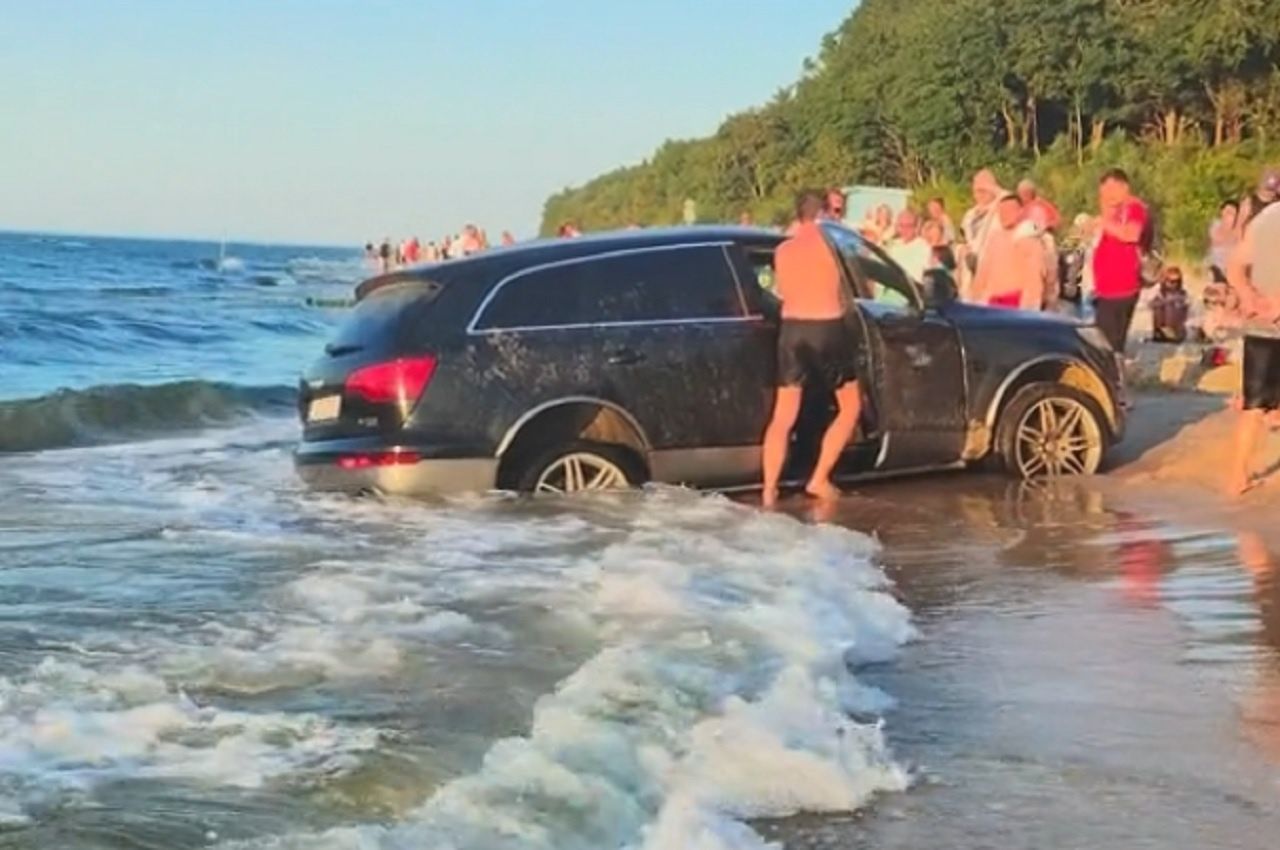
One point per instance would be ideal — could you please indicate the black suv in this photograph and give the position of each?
(649, 355)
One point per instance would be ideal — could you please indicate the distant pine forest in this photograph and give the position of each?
(1184, 94)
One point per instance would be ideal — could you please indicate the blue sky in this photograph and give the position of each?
(336, 122)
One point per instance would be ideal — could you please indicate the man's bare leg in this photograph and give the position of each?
(786, 406)
(849, 401)
(1248, 431)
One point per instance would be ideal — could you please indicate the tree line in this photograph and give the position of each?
(921, 94)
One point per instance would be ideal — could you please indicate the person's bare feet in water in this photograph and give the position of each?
(769, 499)
(823, 490)
(824, 510)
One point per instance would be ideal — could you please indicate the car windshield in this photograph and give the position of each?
(876, 277)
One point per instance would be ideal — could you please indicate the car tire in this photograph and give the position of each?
(581, 466)
(1050, 430)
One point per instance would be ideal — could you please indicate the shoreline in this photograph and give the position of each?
(1098, 662)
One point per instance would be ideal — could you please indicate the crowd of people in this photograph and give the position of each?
(389, 255)
(1006, 253)
(1011, 249)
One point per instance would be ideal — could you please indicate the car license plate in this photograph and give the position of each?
(324, 409)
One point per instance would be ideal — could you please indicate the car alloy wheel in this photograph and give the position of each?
(579, 472)
(1058, 436)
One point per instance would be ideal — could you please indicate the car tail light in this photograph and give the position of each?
(401, 381)
(368, 460)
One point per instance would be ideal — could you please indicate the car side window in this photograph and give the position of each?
(760, 260)
(652, 285)
(877, 277)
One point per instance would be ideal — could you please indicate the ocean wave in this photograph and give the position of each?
(138, 291)
(76, 726)
(722, 690)
(274, 279)
(121, 412)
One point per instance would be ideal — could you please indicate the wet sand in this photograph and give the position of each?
(1098, 662)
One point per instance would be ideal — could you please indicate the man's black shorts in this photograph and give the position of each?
(1113, 317)
(1261, 373)
(818, 352)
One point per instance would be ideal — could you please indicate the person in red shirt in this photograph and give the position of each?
(816, 346)
(1117, 260)
(412, 250)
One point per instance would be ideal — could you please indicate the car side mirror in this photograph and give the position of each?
(939, 288)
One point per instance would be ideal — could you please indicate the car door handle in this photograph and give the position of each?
(623, 356)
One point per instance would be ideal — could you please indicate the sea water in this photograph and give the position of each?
(196, 651)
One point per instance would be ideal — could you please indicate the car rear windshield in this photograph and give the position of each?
(382, 311)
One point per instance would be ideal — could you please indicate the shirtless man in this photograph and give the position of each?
(1253, 271)
(815, 346)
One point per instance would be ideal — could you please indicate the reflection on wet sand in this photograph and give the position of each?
(1088, 674)
(1260, 711)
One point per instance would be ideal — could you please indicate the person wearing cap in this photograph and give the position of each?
(1254, 274)
(1042, 208)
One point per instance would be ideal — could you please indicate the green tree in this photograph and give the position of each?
(1183, 93)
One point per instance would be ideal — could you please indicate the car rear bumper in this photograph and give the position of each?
(356, 466)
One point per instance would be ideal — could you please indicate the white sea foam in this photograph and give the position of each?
(65, 725)
(710, 649)
(721, 692)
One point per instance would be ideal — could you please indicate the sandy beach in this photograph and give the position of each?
(1099, 661)
(1178, 453)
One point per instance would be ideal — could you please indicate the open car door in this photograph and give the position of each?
(915, 365)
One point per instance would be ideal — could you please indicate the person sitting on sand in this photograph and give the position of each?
(816, 346)
(1221, 312)
(1169, 308)
(1254, 273)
